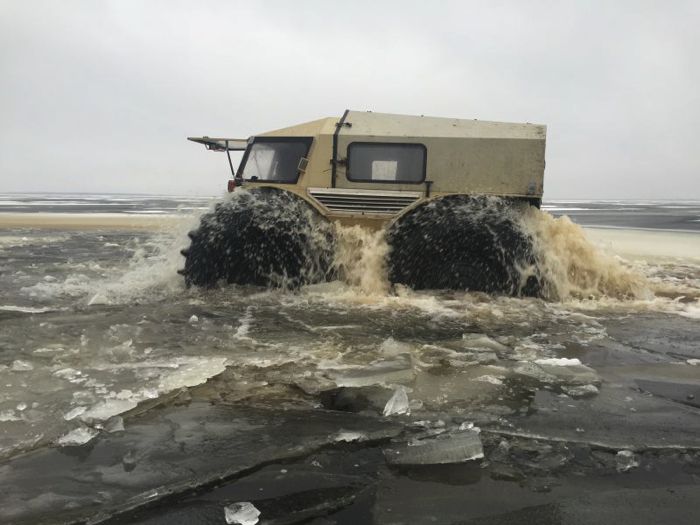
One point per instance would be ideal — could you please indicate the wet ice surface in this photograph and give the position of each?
(129, 399)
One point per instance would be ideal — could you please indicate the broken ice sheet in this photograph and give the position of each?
(77, 436)
(383, 372)
(625, 460)
(350, 436)
(568, 371)
(443, 449)
(19, 365)
(581, 390)
(478, 341)
(398, 403)
(243, 513)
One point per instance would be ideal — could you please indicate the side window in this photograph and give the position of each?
(274, 159)
(386, 162)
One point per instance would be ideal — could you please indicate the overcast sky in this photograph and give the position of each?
(98, 96)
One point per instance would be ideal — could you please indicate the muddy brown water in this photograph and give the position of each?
(127, 398)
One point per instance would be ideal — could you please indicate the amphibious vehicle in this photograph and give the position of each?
(449, 194)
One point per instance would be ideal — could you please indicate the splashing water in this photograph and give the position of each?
(360, 259)
(570, 266)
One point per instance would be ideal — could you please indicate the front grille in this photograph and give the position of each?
(364, 201)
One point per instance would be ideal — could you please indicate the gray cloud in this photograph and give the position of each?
(99, 96)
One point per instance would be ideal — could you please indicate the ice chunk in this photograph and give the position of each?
(69, 374)
(469, 426)
(350, 436)
(8, 415)
(73, 413)
(489, 379)
(98, 299)
(443, 449)
(581, 390)
(391, 347)
(77, 436)
(383, 372)
(115, 424)
(130, 460)
(563, 361)
(125, 394)
(693, 362)
(21, 406)
(108, 408)
(567, 371)
(193, 319)
(398, 404)
(479, 341)
(243, 513)
(625, 460)
(19, 365)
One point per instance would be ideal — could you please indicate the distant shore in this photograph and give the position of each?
(627, 242)
(75, 221)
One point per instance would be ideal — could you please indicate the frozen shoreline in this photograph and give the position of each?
(87, 221)
(650, 244)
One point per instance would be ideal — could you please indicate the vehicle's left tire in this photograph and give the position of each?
(264, 237)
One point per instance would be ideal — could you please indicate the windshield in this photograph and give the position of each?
(274, 159)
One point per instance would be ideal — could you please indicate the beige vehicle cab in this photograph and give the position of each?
(448, 193)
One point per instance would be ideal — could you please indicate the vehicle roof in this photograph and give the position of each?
(371, 124)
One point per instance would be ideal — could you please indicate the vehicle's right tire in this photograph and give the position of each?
(462, 242)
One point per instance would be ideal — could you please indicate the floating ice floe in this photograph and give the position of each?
(243, 513)
(73, 413)
(383, 372)
(350, 436)
(98, 299)
(392, 347)
(19, 365)
(193, 319)
(489, 379)
(581, 390)
(478, 341)
(398, 403)
(108, 408)
(566, 371)
(24, 309)
(562, 361)
(114, 424)
(77, 436)
(440, 450)
(9, 415)
(625, 460)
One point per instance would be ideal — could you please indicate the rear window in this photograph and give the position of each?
(386, 162)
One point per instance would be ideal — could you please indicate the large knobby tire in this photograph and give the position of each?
(265, 237)
(460, 242)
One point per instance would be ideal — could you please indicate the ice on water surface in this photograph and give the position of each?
(398, 403)
(457, 447)
(626, 460)
(243, 513)
(78, 436)
(100, 327)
